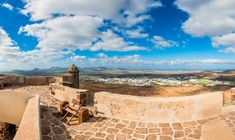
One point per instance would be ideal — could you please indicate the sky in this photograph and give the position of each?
(132, 34)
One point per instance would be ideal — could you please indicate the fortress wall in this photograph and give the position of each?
(31, 80)
(64, 93)
(36, 80)
(30, 128)
(22, 109)
(58, 79)
(159, 109)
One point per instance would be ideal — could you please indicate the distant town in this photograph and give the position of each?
(139, 78)
(184, 81)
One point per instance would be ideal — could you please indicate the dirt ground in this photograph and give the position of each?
(161, 91)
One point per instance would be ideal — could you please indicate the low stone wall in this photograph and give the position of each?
(13, 104)
(64, 93)
(22, 109)
(28, 80)
(30, 128)
(159, 109)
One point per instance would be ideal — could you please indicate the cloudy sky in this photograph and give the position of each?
(146, 34)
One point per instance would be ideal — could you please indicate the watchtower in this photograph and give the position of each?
(71, 79)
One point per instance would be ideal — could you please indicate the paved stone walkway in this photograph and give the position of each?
(102, 128)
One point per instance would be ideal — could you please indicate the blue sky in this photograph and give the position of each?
(164, 34)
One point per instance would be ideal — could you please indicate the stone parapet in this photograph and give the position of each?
(159, 109)
(64, 93)
(30, 128)
(21, 108)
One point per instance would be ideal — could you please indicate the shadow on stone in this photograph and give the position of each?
(51, 125)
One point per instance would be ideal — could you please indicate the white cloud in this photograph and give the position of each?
(8, 49)
(77, 58)
(161, 43)
(224, 40)
(136, 33)
(116, 61)
(67, 32)
(213, 18)
(68, 26)
(43, 9)
(208, 18)
(112, 42)
(102, 55)
(201, 62)
(8, 6)
(13, 56)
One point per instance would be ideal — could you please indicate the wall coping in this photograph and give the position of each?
(159, 109)
(22, 109)
(30, 126)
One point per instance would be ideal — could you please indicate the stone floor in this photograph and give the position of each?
(103, 128)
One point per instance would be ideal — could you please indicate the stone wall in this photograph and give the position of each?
(30, 128)
(13, 104)
(36, 80)
(22, 109)
(64, 93)
(29, 80)
(159, 109)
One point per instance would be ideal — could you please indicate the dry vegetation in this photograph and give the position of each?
(163, 91)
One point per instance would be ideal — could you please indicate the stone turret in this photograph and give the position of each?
(71, 79)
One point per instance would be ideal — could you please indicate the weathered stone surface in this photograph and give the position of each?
(83, 127)
(141, 130)
(46, 130)
(165, 138)
(197, 131)
(188, 124)
(99, 134)
(110, 137)
(202, 121)
(46, 138)
(140, 136)
(141, 124)
(167, 131)
(195, 136)
(187, 131)
(154, 130)
(125, 122)
(177, 126)
(232, 113)
(95, 139)
(132, 125)
(57, 130)
(151, 137)
(151, 125)
(164, 124)
(121, 136)
(88, 133)
(115, 120)
(45, 123)
(112, 130)
(102, 129)
(120, 126)
(59, 137)
(81, 137)
(127, 131)
(179, 134)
